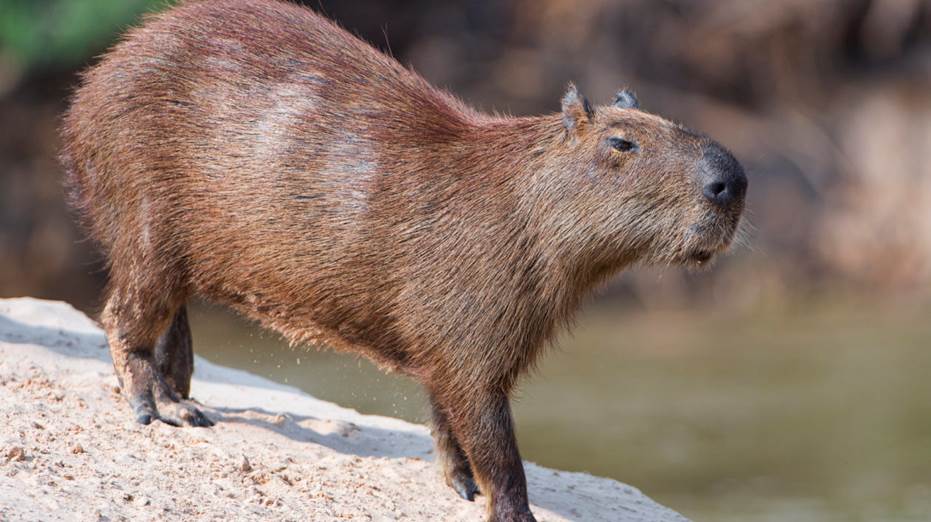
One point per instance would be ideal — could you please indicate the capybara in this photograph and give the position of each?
(255, 153)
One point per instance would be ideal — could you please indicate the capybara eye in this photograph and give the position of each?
(622, 145)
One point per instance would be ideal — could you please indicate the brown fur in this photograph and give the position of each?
(255, 153)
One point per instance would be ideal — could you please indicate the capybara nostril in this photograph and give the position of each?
(723, 180)
(725, 192)
(714, 190)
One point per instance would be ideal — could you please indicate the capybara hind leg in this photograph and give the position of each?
(174, 354)
(481, 422)
(450, 455)
(174, 360)
(133, 327)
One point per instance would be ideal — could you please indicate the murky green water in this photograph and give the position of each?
(817, 413)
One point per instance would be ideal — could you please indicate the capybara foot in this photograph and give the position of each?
(151, 398)
(168, 409)
(463, 484)
(182, 412)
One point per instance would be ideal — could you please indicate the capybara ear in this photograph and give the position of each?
(576, 111)
(626, 99)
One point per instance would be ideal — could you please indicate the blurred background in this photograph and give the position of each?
(787, 383)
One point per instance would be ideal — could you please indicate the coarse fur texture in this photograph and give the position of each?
(256, 154)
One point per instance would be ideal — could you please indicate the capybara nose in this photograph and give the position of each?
(723, 180)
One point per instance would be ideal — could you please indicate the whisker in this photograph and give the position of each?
(744, 233)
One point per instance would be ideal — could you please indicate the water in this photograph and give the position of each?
(816, 412)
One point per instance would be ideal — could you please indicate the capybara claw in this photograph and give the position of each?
(466, 488)
(200, 420)
(463, 484)
(143, 409)
(169, 421)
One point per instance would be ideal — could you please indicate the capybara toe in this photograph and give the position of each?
(183, 413)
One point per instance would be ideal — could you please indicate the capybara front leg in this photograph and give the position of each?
(482, 424)
(450, 455)
(133, 327)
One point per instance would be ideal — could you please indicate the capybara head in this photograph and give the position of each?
(647, 189)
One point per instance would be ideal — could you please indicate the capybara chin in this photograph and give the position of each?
(254, 153)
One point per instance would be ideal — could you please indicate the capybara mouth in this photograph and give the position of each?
(701, 257)
(705, 241)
